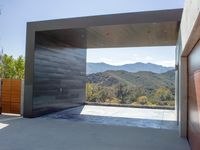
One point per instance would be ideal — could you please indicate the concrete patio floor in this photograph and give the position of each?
(45, 133)
(123, 116)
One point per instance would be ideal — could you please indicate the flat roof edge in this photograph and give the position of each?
(109, 19)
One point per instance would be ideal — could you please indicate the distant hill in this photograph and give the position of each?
(136, 67)
(146, 79)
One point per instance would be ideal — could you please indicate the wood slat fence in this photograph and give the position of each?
(10, 98)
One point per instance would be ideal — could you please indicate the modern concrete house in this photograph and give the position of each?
(55, 72)
(56, 52)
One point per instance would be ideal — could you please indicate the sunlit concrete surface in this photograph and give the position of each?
(3, 125)
(58, 134)
(123, 116)
(6, 117)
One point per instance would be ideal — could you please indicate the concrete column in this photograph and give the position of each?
(183, 89)
(177, 84)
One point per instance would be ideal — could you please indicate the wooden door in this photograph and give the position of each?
(11, 96)
(194, 98)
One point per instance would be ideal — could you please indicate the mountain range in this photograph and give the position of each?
(146, 79)
(136, 67)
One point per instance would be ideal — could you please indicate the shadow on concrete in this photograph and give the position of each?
(76, 116)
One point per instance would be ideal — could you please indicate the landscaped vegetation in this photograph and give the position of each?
(122, 87)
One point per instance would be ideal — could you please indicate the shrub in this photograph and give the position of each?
(142, 100)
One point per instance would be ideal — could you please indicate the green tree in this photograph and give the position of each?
(134, 93)
(11, 68)
(100, 94)
(142, 100)
(90, 92)
(121, 92)
(7, 67)
(19, 67)
(163, 94)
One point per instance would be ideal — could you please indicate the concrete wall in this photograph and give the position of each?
(59, 76)
(189, 35)
(190, 25)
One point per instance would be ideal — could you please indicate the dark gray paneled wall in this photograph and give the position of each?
(59, 76)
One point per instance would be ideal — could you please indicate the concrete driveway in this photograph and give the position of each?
(45, 133)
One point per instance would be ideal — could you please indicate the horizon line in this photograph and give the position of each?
(130, 64)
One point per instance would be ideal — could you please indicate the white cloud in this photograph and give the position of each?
(168, 63)
(148, 58)
(104, 59)
(117, 62)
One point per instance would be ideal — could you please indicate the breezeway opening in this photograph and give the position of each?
(100, 107)
(55, 75)
(131, 77)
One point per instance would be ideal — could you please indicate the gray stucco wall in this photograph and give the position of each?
(59, 76)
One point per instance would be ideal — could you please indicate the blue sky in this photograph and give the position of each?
(15, 14)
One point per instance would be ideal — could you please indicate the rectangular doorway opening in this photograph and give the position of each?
(138, 77)
(132, 86)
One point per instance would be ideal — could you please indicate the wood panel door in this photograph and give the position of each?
(194, 98)
(11, 96)
(0, 96)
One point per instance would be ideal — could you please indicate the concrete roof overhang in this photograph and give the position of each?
(150, 28)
